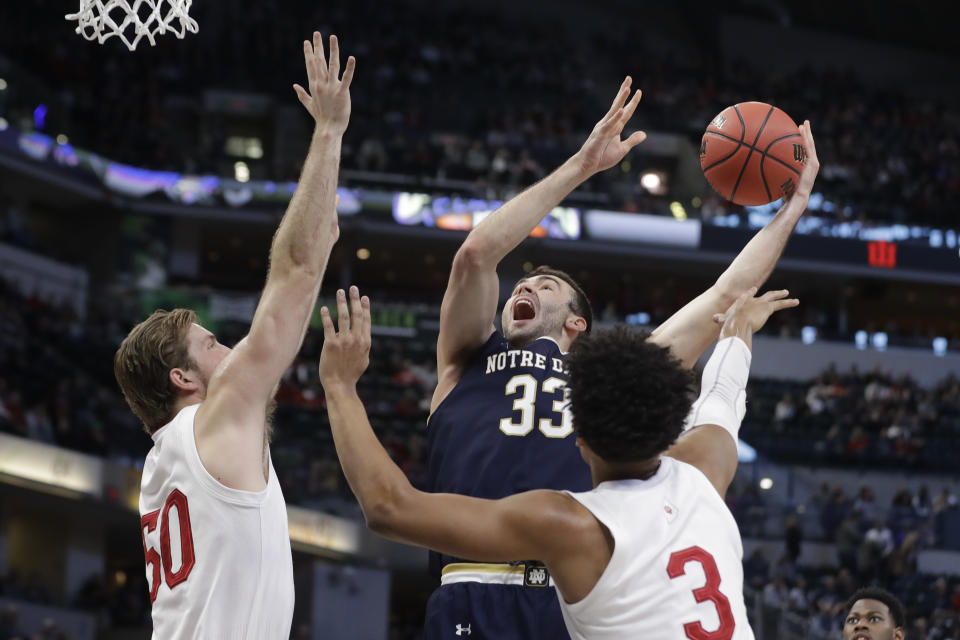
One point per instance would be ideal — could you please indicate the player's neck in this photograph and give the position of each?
(606, 471)
(563, 340)
(187, 400)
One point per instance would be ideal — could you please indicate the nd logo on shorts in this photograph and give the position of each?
(536, 576)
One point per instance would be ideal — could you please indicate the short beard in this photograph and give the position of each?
(519, 340)
(549, 326)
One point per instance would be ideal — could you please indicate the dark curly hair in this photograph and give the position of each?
(629, 397)
(881, 595)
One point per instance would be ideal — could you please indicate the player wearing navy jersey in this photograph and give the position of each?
(651, 551)
(497, 424)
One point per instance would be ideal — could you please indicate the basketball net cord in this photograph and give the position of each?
(101, 19)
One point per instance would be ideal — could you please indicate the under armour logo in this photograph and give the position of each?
(461, 630)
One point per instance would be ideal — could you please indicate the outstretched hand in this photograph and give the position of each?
(604, 148)
(346, 349)
(748, 314)
(811, 166)
(328, 100)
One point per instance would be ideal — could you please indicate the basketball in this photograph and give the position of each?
(752, 153)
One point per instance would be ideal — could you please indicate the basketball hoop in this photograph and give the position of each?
(133, 19)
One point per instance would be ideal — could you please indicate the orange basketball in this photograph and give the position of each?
(752, 153)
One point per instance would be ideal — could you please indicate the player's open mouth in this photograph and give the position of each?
(524, 309)
(861, 636)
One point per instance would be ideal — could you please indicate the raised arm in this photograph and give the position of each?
(470, 301)
(690, 331)
(461, 526)
(709, 441)
(230, 425)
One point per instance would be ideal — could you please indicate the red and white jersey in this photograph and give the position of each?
(676, 571)
(219, 563)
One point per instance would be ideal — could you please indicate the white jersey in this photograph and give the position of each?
(676, 570)
(219, 563)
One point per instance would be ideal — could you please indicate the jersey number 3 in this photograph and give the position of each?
(526, 404)
(154, 559)
(709, 591)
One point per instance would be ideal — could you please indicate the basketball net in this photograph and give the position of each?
(133, 19)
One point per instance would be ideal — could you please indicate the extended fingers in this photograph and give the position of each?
(808, 144)
(334, 57)
(309, 62)
(614, 124)
(319, 61)
(631, 106)
(785, 304)
(302, 94)
(776, 294)
(635, 138)
(328, 332)
(343, 312)
(620, 98)
(365, 303)
(348, 71)
(356, 311)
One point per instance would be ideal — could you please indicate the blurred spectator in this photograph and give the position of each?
(775, 593)
(793, 537)
(877, 546)
(824, 625)
(464, 93)
(939, 599)
(848, 538)
(756, 569)
(786, 410)
(797, 597)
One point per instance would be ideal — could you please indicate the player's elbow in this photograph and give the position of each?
(298, 268)
(472, 255)
(383, 511)
(726, 294)
(379, 518)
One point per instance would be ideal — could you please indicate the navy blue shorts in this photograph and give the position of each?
(482, 611)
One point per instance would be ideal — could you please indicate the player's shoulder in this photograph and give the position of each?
(495, 343)
(547, 344)
(557, 512)
(170, 434)
(689, 475)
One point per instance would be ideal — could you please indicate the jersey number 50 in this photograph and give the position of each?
(526, 404)
(148, 523)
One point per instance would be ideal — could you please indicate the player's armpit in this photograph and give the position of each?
(712, 450)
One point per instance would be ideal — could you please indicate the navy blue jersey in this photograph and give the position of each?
(505, 427)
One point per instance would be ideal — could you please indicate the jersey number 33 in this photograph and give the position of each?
(525, 388)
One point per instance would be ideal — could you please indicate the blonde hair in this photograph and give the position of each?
(143, 362)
